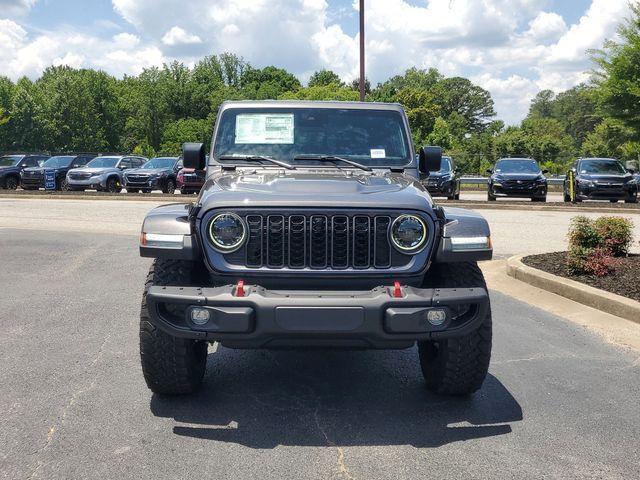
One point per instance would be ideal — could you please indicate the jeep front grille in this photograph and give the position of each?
(315, 241)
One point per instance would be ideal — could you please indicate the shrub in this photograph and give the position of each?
(600, 263)
(593, 244)
(616, 234)
(583, 234)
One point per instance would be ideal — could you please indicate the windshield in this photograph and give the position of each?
(103, 162)
(612, 167)
(160, 162)
(517, 166)
(10, 160)
(58, 162)
(445, 165)
(375, 138)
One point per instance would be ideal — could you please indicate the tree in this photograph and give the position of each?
(268, 83)
(6, 98)
(184, 130)
(611, 138)
(25, 131)
(323, 78)
(441, 134)
(412, 78)
(421, 110)
(542, 104)
(332, 91)
(459, 95)
(619, 71)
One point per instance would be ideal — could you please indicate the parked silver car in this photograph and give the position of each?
(103, 173)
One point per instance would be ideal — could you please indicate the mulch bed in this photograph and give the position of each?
(625, 280)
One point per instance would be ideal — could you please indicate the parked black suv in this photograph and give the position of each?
(314, 230)
(12, 165)
(159, 173)
(519, 178)
(34, 178)
(445, 182)
(600, 179)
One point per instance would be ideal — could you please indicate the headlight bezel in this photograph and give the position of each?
(227, 248)
(416, 248)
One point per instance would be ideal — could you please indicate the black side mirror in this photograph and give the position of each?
(193, 156)
(489, 171)
(631, 171)
(429, 160)
(545, 171)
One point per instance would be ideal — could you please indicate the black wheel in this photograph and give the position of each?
(170, 186)
(631, 200)
(170, 365)
(491, 198)
(64, 185)
(183, 191)
(451, 197)
(132, 190)
(457, 366)
(11, 183)
(456, 196)
(113, 185)
(146, 190)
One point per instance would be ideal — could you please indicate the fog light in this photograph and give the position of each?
(200, 316)
(436, 317)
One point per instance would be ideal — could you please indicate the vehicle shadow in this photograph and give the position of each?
(262, 399)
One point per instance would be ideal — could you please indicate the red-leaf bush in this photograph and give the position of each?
(594, 244)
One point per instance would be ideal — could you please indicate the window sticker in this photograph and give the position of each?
(378, 153)
(257, 128)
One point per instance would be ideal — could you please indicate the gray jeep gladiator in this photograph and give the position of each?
(314, 229)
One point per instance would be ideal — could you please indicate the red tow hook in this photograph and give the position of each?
(397, 290)
(240, 288)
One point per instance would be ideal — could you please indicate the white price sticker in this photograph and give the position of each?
(261, 128)
(378, 153)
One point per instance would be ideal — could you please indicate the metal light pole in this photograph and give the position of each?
(362, 85)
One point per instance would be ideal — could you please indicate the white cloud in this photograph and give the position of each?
(511, 47)
(16, 7)
(178, 36)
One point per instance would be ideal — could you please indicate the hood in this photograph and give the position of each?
(518, 176)
(607, 178)
(93, 170)
(439, 174)
(314, 188)
(146, 171)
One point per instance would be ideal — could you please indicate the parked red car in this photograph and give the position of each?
(190, 180)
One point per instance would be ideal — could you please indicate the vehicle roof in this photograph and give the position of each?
(311, 104)
(600, 158)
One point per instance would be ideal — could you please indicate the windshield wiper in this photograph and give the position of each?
(333, 159)
(258, 158)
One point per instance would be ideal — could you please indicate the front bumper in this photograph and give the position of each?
(606, 192)
(32, 182)
(526, 191)
(444, 189)
(87, 183)
(152, 183)
(358, 319)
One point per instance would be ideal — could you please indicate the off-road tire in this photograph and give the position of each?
(457, 366)
(11, 183)
(171, 365)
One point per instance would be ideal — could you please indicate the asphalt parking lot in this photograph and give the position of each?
(560, 402)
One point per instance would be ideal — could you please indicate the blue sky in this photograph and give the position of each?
(513, 48)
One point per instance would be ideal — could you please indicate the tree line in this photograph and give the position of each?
(156, 111)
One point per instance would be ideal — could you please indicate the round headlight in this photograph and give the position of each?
(408, 233)
(227, 232)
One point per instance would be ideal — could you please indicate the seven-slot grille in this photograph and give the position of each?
(317, 241)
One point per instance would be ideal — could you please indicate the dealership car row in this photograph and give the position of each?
(587, 179)
(104, 173)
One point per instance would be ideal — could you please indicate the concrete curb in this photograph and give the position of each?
(578, 292)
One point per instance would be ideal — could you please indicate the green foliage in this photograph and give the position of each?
(144, 149)
(441, 134)
(323, 78)
(611, 138)
(333, 91)
(619, 71)
(184, 130)
(594, 244)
